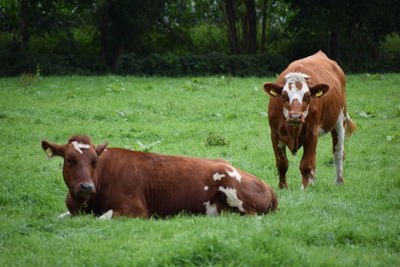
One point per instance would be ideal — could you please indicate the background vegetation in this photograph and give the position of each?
(214, 117)
(180, 37)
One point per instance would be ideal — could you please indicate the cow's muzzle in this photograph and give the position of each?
(86, 189)
(295, 118)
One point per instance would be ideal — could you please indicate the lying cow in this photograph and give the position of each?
(137, 184)
(308, 100)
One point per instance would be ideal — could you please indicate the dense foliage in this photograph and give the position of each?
(94, 36)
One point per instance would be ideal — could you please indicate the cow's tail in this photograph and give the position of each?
(349, 125)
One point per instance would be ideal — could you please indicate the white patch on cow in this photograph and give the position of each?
(296, 75)
(302, 187)
(339, 147)
(232, 198)
(291, 89)
(211, 209)
(218, 176)
(206, 188)
(106, 216)
(78, 146)
(305, 113)
(234, 173)
(321, 131)
(64, 215)
(285, 112)
(311, 180)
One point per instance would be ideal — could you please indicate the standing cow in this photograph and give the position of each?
(118, 181)
(307, 101)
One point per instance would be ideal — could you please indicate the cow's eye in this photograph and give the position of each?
(306, 98)
(285, 97)
(71, 161)
(93, 163)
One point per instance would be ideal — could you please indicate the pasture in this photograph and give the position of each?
(211, 117)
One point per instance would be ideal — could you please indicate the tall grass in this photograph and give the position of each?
(215, 117)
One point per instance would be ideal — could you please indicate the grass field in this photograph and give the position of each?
(215, 117)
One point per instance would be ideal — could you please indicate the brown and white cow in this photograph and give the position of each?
(307, 101)
(116, 181)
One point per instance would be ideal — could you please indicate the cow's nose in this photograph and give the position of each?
(87, 188)
(295, 115)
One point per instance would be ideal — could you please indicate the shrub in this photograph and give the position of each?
(194, 65)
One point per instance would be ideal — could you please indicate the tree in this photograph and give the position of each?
(123, 23)
(250, 23)
(350, 31)
(230, 18)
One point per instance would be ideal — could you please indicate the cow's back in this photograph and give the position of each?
(167, 185)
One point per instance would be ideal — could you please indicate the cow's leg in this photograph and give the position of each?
(281, 160)
(64, 215)
(338, 135)
(307, 163)
(74, 207)
(107, 215)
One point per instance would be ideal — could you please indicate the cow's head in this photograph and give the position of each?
(80, 159)
(295, 96)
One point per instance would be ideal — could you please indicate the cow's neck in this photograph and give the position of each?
(293, 140)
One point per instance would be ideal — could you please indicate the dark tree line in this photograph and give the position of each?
(357, 33)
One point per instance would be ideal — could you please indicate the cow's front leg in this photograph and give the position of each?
(135, 207)
(307, 163)
(73, 206)
(281, 160)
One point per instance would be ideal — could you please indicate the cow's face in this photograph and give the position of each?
(295, 96)
(80, 159)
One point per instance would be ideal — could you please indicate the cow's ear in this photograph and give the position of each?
(319, 90)
(272, 89)
(100, 148)
(52, 149)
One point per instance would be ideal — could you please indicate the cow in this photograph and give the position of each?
(109, 182)
(308, 100)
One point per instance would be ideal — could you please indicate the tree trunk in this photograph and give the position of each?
(23, 34)
(111, 48)
(251, 24)
(230, 19)
(334, 38)
(263, 26)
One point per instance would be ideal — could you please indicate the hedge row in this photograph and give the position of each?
(16, 60)
(192, 65)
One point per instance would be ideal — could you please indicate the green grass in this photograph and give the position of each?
(215, 117)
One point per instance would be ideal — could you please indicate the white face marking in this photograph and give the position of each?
(291, 89)
(232, 198)
(339, 148)
(218, 176)
(106, 216)
(211, 209)
(305, 113)
(234, 173)
(206, 188)
(285, 112)
(64, 215)
(78, 146)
